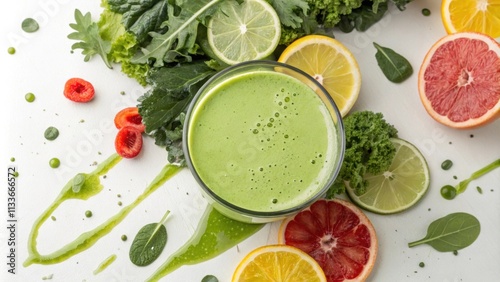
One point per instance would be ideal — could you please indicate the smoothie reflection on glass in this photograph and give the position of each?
(264, 140)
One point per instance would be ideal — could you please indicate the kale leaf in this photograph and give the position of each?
(162, 108)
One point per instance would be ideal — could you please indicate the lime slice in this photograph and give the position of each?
(398, 188)
(244, 32)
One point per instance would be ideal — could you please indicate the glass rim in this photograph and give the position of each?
(248, 212)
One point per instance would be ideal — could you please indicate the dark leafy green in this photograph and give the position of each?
(394, 66)
(450, 233)
(178, 43)
(141, 17)
(91, 43)
(149, 243)
(362, 18)
(162, 106)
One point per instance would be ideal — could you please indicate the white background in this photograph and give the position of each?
(43, 63)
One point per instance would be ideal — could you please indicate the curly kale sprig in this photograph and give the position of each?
(368, 150)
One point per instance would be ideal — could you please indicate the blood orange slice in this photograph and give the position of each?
(459, 80)
(337, 235)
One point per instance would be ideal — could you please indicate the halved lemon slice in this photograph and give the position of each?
(278, 263)
(330, 63)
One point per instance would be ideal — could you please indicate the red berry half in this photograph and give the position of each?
(128, 142)
(129, 117)
(79, 90)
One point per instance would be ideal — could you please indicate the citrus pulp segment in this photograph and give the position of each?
(243, 32)
(398, 188)
(278, 263)
(459, 80)
(338, 235)
(471, 15)
(330, 63)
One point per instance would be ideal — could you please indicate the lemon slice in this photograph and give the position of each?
(278, 263)
(330, 63)
(244, 32)
(471, 15)
(398, 188)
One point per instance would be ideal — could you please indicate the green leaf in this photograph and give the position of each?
(394, 66)
(289, 11)
(172, 91)
(141, 17)
(91, 43)
(180, 38)
(149, 243)
(450, 233)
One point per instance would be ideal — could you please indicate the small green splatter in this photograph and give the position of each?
(124, 237)
(455, 252)
(447, 164)
(51, 133)
(53, 218)
(11, 50)
(426, 12)
(54, 163)
(29, 97)
(12, 159)
(88, 213)
(479, 189)
(30, 25)
(421, 264)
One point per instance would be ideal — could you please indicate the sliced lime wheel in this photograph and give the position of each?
(243, 32)
(398, 188)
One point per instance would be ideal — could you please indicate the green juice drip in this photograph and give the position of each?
(82, 187)
(214, 235)
(105, 264)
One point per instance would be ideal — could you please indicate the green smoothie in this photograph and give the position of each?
(262, 141)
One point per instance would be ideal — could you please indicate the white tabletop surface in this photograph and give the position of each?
(43, 63)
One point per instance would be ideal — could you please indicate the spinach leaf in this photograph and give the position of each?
(149, 243)
(91, 43)
(141, 17)
(180, 39)
(450, 233)
(290, 11)
(394, 66)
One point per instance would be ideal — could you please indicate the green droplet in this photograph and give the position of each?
(54, 163)
(12, 159)
(276, 114)
(255, 131)
(30, 25)
(11, 50)
(29, 97)
(88, 213)
(426, 12)
(124, 237)
(448, 192)
(286, 135)
(479, 190)
(269, 124)
(447, 164)
(287, 99)
(421, 264)
(51, 133)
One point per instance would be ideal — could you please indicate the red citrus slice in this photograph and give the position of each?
(337, 235)
(459, 80)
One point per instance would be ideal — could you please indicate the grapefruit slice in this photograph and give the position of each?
(337, 235)
(459, 80)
